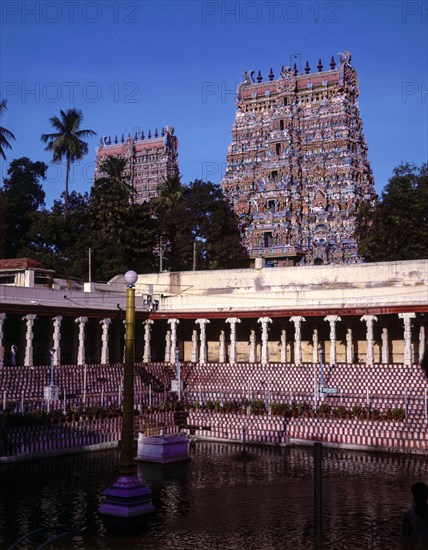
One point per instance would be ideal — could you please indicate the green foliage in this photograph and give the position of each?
(67, 142)
(398, 413)
(340, 412)
(120, 233)
(197, 227)
(21, 196)
(282, 409)
(357, 410)
(257, 406)
(324, 409)
(5, 135)
(396, 227)
(58, 244)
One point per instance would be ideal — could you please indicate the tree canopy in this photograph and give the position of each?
(192, 224)
(21, 196)
(396, 227)
(67, 142)
(6, 135)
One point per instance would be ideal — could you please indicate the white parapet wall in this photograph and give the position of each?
(384, 284)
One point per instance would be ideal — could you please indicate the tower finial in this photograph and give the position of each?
(332, 63)
(320, 65)
(259, 77)
(271, 75)
(307, 68)
(149, 135)
(122, 139)
(156, 133)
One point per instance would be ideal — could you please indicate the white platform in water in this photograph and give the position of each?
(163, 448)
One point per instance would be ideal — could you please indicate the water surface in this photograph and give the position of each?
(216, 500)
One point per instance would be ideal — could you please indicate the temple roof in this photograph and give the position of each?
(20, 263)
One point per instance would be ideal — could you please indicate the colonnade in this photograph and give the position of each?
(81, 322)
(199, 340)
(228, 353)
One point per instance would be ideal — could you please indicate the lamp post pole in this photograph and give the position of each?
(127, 465)
(128, 497)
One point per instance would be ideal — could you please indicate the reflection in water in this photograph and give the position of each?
(215, 500)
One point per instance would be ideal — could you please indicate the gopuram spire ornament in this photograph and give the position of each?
(297, 167)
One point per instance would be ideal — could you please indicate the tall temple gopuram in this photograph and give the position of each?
(149, 160)
(297, 167)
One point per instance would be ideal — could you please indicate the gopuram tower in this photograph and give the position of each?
(149, 159)
(297, 166)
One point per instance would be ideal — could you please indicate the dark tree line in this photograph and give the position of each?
(396, 227)
(186, 226)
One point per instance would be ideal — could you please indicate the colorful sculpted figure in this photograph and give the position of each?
(296, 138)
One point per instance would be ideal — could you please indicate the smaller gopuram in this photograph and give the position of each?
(149, 159)
(297, 167)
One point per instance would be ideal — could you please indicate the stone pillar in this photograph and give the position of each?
(2, 319)
(385, 348)
(315, 344)
(332, 319)
(297, 339)
(194, 356)
(369, 319)
(147, 355)
(232, 321)
(81, 352)
(407, 317)
(173, 323)
(422, 342)
(56, 340)
(264, 321)
(203, 340)
(105, 325)
(222, 348)
(168, 346)
(252, 355)
(349, 346)
(28, 358)
(283, 346)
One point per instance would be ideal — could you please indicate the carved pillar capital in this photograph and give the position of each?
(28, 358)
(105, 324)
(81, 351)
(147, 356)
(369, 320)
(297, 320)
(232, 321)
(203, 343)
(332, 319)
(407, 321)
(264, 321)
(173, 323)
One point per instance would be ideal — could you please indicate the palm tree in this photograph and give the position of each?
(67, 142)
(113, 168)
(5, 134)
(170, 194)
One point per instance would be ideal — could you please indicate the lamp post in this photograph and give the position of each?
(128, 497)
(127, 466)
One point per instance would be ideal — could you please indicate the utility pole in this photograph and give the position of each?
(90, 265)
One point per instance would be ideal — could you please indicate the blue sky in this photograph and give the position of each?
(131, 65)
